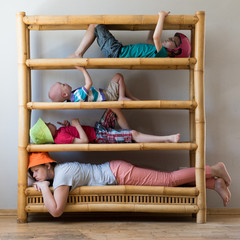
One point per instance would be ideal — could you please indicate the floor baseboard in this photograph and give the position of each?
(210, 211)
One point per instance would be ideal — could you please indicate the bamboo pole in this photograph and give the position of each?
(110, 147)
(129, 67)
(23, 126)
(192, 98)
(200, 116)
(107, 207)
(124, 189)
(107, 19)
(125, 27)
(154, 104)
(115, 63)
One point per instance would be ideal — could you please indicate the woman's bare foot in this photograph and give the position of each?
(219, 170)
(223, 191)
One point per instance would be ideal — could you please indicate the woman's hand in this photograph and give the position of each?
(40, 185)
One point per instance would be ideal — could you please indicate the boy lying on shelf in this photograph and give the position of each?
(116, 90)
(176, 46)
(67, 176)
(103, 132)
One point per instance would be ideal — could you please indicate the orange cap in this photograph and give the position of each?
(39, 158)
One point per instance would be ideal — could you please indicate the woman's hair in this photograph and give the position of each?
(53, 164)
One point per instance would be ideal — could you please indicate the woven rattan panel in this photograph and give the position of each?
(121, 198)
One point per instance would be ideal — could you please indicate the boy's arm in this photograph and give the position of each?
(83, 136)
(158, 30)
(88, 80)
(55, 203)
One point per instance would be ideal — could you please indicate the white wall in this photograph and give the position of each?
(221, 86)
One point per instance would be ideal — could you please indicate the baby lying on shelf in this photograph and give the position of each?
(116, 90)
(103, 132)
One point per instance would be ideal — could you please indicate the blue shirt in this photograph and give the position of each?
(82, 95)
(143, 50)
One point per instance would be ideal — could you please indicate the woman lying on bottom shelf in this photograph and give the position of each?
(68, 176)
(103, 132)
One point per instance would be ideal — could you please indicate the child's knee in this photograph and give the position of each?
(118, 77)
(135, 134)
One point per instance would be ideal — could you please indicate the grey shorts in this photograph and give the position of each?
(109, 46)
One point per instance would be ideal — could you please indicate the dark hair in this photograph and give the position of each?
(175, 53)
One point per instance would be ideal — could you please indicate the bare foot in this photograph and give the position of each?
(174, 138)
(223, 191)
(124, 99)
(219, 170)
(135, 99)
(74, 55)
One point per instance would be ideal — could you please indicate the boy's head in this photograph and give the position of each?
(42, 132)
(40, 166)
(179, 45)
(59, 92)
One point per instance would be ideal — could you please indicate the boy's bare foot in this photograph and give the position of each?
(219, 170)
(174, 138)
(223, 191)
(74, 55)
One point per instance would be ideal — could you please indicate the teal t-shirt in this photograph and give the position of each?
(142, 50)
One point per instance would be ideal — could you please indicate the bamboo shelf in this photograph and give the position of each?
(109, 63)
(130, 198)
(189, 105)
(115, 22)
(110, 147)
(116, 198)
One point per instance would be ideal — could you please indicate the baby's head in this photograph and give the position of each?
(42, 132)
(60, 92)
(178, 46)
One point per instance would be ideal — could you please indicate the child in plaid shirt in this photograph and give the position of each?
(116, 90)
(103, 132)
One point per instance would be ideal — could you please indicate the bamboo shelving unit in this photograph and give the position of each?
(116, 198)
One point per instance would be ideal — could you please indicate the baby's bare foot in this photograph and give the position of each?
(223, 191)
(219, 170)
(124, 99)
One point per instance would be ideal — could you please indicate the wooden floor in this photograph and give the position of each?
(120, 227)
